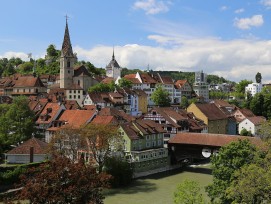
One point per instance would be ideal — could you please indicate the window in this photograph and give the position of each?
(74, 96)
(68, 64)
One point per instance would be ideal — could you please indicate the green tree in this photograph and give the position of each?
(240, 87)
(52, 51)
(258, 77)
(26, 68)
(102, 141)
(184, 102)
(264, 130)
(251, 184)
(17, 121)
(101, 87)
(121, 171)
(256, 104)
(244, 132)
(230, 158)
(160, 97)
(125, 83)
(188, 192)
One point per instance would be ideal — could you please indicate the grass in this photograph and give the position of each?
(158, 189)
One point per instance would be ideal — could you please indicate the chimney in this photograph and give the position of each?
(31, 154)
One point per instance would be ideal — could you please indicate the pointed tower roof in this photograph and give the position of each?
(66, 45)
(113, 62)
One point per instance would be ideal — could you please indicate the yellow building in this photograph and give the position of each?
(215, 119)
(142, 100)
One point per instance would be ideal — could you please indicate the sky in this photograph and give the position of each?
(229, 38)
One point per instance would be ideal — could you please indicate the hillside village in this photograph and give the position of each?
(155, 138)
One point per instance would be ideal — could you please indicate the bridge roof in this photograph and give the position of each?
(216, 140)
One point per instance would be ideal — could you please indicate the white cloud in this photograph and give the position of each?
(266, 3)
(247, 23)
(11, 54)
(241, 10)
(152, 6)
(233, 60)
(224, 8)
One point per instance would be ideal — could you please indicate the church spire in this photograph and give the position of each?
(113, 56)
(66, 45)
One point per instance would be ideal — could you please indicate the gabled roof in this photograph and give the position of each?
(39, 147)
(115, 95)
(256, 120)
(180, 83)
(48, 113)
(96, 97)
(76, 118)
(167, 80)
(246, 112)
(147, 79)
(140, 92)
(107, 80)
(28, 81)
(71, 105)
(104, 119)
(120, 115)
(206, 139)
(132, 78)
(131, 131)
(211, 111)
(222, 103)
(81, 70)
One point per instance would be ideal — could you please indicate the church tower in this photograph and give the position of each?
(113, 69)
(67, 60)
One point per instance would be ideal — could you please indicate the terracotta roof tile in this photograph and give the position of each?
(103, 119)
(217, 140)
(77, 118)
(256, 120)
(48, 113)
(147, 79)
(211, 111)
(40, 147)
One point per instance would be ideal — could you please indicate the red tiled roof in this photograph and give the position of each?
(217, 140)
(146, 78)
(50, 110)
(180, 83)
(90, 107)
(246, 112)
(28, 81)
(132, 78)
(76, 118)
(222, 103)
(103, 119)
(211, 111)
(167, 80)
(256, 120)
(140, 92)
(81, 70)
(107, 80)
(40, 147)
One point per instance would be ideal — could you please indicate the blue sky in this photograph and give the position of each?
(224, 37)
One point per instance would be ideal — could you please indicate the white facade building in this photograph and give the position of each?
(254, 88)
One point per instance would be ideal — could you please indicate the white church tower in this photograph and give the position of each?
(113, 69)
(67, 60)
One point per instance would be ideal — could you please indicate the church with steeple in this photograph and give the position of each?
(113, 69)
(74, 81)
